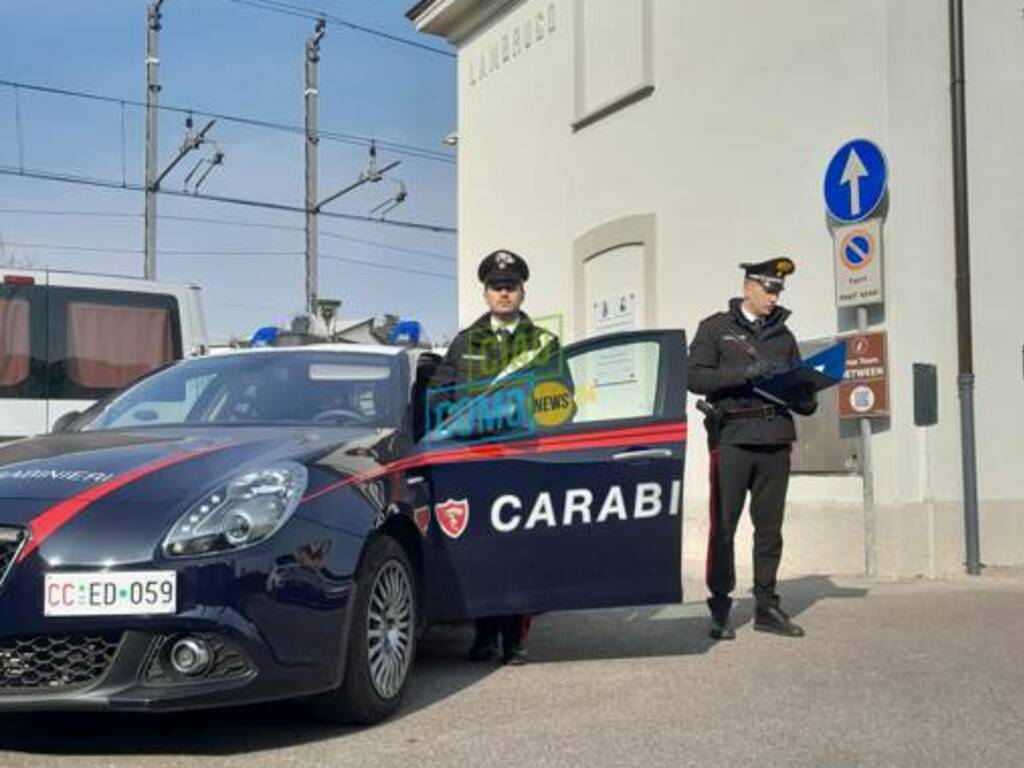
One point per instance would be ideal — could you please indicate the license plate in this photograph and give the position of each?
(117, 593)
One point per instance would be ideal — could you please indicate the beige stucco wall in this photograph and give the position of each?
(728, 153)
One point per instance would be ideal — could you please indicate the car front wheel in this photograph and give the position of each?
(382, 638)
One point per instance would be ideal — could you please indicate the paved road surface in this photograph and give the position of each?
(917, 674)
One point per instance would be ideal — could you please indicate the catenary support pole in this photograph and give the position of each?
(311, 98)
(152, 103)
(965, 343)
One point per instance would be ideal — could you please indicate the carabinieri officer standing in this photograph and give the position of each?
(750, 438)
(502, 340)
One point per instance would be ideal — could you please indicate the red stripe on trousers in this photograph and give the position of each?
(714, 502)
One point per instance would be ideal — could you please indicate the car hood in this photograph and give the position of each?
(155, 466)
(121, 491)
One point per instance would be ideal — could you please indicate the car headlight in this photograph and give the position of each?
(249, 509)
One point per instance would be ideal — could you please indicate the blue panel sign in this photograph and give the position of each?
(855, 181)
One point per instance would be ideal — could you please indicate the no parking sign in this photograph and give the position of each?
(858, 264)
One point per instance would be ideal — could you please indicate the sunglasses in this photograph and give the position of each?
(509, 286)
(770, 287)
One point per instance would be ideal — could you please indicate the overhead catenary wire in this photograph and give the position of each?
(399, 148)
(245, 254)
(315, 14)
(168, 252)
(375, 265)
(61, 212)
(69, 178)
(232, 223)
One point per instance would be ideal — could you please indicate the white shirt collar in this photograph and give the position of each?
(751, 317)
(496, 325)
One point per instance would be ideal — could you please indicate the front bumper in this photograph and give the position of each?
(128, 669)
(281, 627)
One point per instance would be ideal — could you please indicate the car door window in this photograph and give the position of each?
(618, 382)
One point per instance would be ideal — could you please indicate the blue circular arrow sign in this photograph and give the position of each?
(855, 181)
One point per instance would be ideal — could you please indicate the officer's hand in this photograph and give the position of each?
(805, 401)
(763, 369)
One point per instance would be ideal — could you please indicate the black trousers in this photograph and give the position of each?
(512, 629)
(735, 470)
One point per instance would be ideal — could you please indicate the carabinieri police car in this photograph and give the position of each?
(279, 523)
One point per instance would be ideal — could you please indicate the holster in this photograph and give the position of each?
(712, 422)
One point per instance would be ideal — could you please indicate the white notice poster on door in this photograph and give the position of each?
(613, 313)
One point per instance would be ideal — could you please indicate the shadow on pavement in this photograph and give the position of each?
(797, 595)
(440, 672)
(659, 630)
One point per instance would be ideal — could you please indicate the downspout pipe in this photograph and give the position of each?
(965, 343)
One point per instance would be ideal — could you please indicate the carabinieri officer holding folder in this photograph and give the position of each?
(750, 437)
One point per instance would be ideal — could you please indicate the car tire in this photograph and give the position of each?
(382, 639)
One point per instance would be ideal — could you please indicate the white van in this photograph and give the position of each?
(67, 339)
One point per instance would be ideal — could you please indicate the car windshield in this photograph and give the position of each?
(262, 388)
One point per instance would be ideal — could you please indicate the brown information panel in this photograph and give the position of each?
(864, 391)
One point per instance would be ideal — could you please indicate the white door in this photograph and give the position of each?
(613, 295)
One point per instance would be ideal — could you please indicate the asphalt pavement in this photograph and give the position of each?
(911, 674)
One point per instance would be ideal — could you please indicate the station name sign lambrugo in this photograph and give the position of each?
(527, 29)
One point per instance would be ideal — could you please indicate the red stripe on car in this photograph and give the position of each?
(604, 438)
(48, 522)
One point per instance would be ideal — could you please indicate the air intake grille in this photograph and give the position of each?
(11, 542)
(52, 662)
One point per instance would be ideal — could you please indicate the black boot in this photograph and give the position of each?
(485, 643)
(513, 640)
(721, 627)
(515, 656)
(771, 618)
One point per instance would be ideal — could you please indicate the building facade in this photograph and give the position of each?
(635, 151)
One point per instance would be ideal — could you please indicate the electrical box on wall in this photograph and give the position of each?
(926, 395)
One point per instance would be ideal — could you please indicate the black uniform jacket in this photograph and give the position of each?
(725, 346)
(478, 354)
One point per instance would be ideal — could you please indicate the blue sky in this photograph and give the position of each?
(224, 57)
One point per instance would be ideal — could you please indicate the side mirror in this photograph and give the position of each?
(64, 422)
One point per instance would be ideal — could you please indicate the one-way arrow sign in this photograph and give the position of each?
(852, 174)
(855, 181)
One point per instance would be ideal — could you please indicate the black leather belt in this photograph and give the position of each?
(766, 412)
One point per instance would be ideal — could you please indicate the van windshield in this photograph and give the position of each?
(262, 388)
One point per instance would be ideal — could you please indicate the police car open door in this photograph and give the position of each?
(576, 506)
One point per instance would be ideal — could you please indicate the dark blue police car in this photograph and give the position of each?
(280, 523)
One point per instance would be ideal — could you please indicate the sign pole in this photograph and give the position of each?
(855, 188)
(867, 473)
